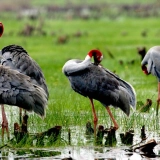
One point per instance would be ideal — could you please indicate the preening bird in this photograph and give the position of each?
(28, 75)
(17, 89)
(151, 64)
(17, 58)
(95, 82)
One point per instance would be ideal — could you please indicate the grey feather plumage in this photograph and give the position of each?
(17, 58)
(18, 90)
(152, 60)
(99, 83)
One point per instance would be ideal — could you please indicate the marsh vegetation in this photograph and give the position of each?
(51, 38)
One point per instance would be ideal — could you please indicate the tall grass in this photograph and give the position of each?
(121, 37)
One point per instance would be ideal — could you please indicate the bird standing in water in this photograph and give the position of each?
(95, 82)
(151, 64)
(22, 82)
(17, 58)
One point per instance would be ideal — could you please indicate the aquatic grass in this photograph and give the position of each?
(67, 108)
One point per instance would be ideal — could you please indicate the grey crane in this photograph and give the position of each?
(28, 76)
(151, 65)
(17, 89)
(17, 58)
(95, 82)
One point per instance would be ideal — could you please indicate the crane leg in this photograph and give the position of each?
(20, 115)
(158, 99)
(4, 123)
(113, 120)
(95, 119)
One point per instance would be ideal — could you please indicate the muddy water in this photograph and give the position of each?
(82, 147)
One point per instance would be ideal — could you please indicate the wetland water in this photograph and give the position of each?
(82, 148)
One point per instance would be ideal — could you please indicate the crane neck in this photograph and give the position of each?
(87, 58)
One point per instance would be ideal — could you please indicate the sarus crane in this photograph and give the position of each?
(22, 83)
(151, 65)
(95, 82)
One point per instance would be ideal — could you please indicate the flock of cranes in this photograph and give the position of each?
(22, 82)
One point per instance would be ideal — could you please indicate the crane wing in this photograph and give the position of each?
(18, 59)
(17, 89)
(101, 84)
(126, 85)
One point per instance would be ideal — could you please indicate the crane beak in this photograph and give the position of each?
(96, 63)
(97, 60)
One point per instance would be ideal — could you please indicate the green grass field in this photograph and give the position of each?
(121, 36)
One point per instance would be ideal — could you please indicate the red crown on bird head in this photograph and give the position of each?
(1, 29)
(98, 56)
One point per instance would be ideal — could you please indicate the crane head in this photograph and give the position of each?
(1, 29)
(97, 55)
(144, 68)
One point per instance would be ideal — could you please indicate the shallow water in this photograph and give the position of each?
(82, 147)
(80, 153)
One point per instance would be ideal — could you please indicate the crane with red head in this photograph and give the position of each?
(17, 87)
(95, 82)
(151, 65)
